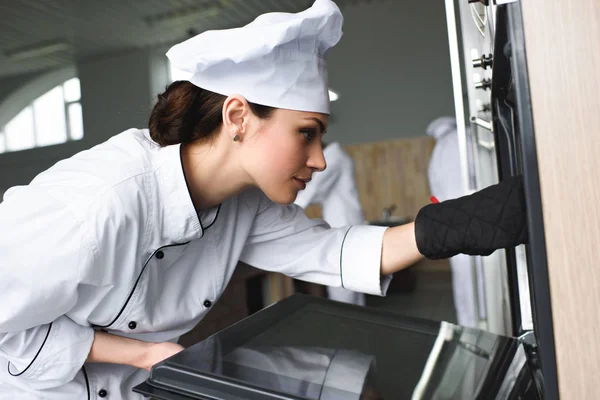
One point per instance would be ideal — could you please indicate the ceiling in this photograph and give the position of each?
(80, 29)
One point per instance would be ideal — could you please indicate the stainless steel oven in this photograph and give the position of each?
(493, 101)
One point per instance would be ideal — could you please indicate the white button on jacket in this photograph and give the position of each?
(109, 239)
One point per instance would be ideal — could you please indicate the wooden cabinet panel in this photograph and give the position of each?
(562, 42)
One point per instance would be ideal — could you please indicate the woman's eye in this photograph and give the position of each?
(309, 134)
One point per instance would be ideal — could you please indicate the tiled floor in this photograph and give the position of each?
(430, 299)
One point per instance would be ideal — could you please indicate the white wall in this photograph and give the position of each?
(391, 70)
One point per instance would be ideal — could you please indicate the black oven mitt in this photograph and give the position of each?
(478, 224)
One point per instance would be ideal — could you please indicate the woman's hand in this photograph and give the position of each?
(478, 224)
(115, 349)
(157, 352)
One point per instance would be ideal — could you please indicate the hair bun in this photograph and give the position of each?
(185, 113)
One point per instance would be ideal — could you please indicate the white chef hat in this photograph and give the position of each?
(440, 127)
(276, 60)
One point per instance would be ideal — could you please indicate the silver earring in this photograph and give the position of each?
(236, 138)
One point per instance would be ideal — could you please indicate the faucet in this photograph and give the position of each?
(386, 213)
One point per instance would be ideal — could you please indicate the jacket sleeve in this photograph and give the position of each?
(42, 250)
(283, 239)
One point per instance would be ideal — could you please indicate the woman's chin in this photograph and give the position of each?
(284, 201)
(282, 196)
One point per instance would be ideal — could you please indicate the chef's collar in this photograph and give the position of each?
(180, 221)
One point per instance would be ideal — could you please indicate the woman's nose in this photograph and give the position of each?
(316, 159)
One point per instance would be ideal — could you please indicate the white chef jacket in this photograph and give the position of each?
(109, 239)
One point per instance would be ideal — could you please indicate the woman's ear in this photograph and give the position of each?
(236, 112)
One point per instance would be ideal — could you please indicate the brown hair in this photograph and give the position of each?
(185, 113)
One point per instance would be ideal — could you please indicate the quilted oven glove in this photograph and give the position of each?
(478, 224)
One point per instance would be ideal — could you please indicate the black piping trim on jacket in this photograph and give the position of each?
(187, 185)
(87, 382)
(213, 221)
(136, 282)
(342, 252)
(36, 355)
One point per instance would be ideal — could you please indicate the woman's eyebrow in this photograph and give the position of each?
(318, 121)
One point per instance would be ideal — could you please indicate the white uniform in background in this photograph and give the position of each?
(445, 182)
(335, 190)
(305, 371)
(109, 239)
(318, 373)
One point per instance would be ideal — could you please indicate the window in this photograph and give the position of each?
(53, 118)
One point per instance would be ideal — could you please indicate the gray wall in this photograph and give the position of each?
(11, 83)
(391, 69)
(115, 92)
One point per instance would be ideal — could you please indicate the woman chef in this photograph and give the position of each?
(109, 256)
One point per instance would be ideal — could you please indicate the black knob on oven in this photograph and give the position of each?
(484, 84)
(483, 61)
